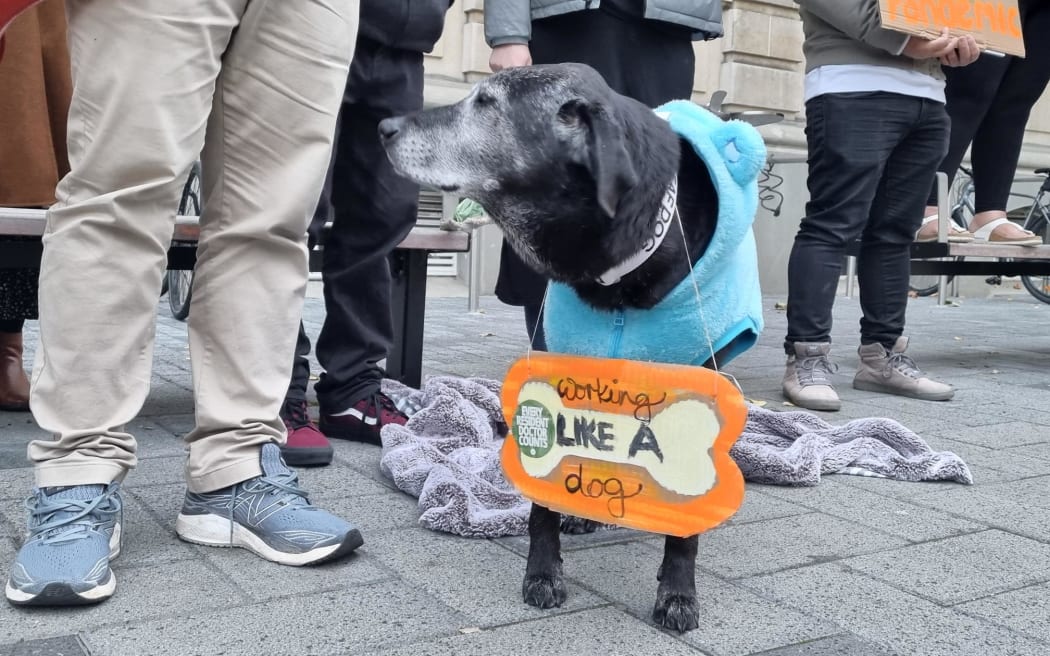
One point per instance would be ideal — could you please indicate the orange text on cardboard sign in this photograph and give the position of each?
(969, 15)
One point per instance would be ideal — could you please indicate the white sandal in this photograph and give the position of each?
(956, 233)
(983, 235)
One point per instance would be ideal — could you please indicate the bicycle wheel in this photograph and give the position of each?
(180, 286)
(180, 283)
(1038, 286)
(924, 285)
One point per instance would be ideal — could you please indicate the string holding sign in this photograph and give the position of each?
(994, 24)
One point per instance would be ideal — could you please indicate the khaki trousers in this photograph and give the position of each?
(253, 87)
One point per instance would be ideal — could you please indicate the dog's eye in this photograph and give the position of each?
(484, 99)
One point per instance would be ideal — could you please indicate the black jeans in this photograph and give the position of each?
(372, 210)
(872, 157)
(989, 103)
(640, 59)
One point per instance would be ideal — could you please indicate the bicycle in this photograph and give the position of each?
(177, 282)
(1034, 217)
(1037, 219)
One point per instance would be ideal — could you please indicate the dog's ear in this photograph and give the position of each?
(597, 143)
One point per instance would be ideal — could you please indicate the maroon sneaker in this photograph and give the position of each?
(306, 446)
(364, 420)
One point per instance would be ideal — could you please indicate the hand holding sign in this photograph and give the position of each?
(965, 52)
(951, 50)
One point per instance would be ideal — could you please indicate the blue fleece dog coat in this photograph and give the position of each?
(727, 273)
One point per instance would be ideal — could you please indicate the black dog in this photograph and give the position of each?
(575, 175)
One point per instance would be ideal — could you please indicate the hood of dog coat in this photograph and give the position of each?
(678, 329)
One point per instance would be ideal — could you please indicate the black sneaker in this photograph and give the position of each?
(363, 420)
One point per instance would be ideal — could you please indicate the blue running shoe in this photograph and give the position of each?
(73, 534)
(270, 516)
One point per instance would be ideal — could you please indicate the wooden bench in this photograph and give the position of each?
(408, 266)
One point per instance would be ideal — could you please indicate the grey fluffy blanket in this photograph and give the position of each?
(796, 448)
(448, 454)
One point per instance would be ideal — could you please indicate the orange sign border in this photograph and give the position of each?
(698, 514)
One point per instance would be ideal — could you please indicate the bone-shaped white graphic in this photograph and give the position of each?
(685, 432)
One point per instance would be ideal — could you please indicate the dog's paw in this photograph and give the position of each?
(677, 612)
(578, 526)
(543, 591)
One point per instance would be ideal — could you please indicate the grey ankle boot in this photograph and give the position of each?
(806, 382)
(892, 372)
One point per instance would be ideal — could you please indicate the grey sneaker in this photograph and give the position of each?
(73, 534)
(270, 516)
(892, 372)
(806, 381)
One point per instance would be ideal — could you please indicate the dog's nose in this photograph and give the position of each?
(389, 127)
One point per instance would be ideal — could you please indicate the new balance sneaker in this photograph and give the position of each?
(269, 515)
(363, 420)
(892, 372)
(306, 446)
(73, 534)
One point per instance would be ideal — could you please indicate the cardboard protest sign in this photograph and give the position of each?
(995, 24)
(631, 443)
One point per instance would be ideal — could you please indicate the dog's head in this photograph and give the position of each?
(520, 134)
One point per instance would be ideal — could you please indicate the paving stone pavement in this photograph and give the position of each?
(854, 566)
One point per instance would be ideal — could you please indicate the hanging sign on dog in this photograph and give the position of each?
(995, 24)
(636, 444)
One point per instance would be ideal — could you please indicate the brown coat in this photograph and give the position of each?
(35, 88)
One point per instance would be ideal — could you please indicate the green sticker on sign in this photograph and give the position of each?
(533, 429)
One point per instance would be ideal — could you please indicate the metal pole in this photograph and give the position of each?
(474, 274)
(942, 231)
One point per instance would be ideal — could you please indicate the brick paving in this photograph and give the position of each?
(854, 566)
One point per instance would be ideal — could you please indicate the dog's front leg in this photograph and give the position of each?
(543, 586)
(676, 606)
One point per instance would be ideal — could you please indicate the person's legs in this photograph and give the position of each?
(997, 143)
(18, 302)
(268, 146)
(306, 446)
(884, 261)
(374, 209)
(849, 139)
(269, 143)
(519, 284)
(136, 124)
(300, 368)
(14, 384)
(969, 92)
